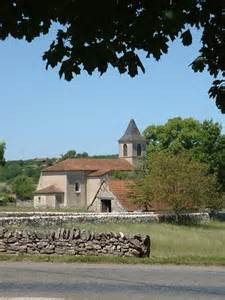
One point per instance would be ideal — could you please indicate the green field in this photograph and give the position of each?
(176, 244)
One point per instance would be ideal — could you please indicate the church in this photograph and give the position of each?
(87, 183)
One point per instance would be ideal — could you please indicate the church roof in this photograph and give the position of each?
(121, 189)
(91, 165)
(132, 134)
(51, 189)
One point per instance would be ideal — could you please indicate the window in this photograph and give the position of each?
(59, 199)
(138, 149)
(125, 150)
(106, 206)
(77, 187)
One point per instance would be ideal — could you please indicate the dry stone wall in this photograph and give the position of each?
(61, 219)
(73, 242)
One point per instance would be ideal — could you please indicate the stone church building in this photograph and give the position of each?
(86, 183)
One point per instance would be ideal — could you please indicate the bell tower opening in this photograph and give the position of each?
(139, 149)
(125, 150)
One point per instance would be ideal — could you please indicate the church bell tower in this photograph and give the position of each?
(132, 145)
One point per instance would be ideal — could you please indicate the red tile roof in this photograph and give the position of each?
(121, 188)
(51, 189)
(89, 164)
(98, 173)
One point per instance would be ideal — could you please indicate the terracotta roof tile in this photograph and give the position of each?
(51, 189)
(98, 173)
(88, 164)
(121, 188)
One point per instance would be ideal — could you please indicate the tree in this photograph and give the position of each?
(23, 187)
(2, 151)
(10, 171)
(69, 154)
(82, 155)
(203, 141)
(93, 35)
(177, 183)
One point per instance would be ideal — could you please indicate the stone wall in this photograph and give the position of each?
(73, 242)
(24, 203)
(61, 219)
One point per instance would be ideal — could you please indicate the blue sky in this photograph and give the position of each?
(42, 115)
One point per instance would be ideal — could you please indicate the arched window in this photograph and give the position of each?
(138, 149)
(125, 150)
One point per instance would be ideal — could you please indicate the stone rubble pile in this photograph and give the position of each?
(73, 242)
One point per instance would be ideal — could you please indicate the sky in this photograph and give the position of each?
(44, 116)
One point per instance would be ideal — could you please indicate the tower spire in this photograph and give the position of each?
(132, 144)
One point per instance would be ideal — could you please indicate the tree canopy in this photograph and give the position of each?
(93, 35)
(73, 154)
(69, 154)
(177, 183)
(203, 141)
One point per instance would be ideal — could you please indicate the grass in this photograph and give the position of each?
(171, 244)
(177, 260)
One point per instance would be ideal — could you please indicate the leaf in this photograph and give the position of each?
(186, 38)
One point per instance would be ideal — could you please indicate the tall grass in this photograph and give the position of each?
(167, 240)
(175, 240)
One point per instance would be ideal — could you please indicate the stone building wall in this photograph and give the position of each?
(93, 184)
(105, 194)
(73, 242)
(59, 180)
(76, 199)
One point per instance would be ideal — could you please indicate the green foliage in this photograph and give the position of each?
(73, 154)
(123, 175)
(177, 183)
(31, 168)
(202, 140)
(2, 151)
(69, 154)
(4, 188)
(23, 187)
(82, 155)
(96, 35)
(10, 171)
(217, 91)
(6, 199)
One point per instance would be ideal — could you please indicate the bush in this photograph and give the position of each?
(23, 187)
(6, 199)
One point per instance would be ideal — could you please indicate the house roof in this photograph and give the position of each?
(132, 134)
(89, 164)
(98, 173)
(121, 188)
(51, 189)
